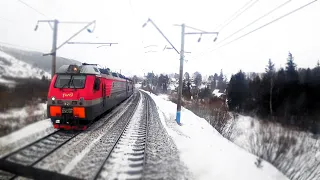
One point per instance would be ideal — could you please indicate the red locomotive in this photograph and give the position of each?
(79, 94)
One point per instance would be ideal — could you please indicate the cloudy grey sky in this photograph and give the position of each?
(121, 22)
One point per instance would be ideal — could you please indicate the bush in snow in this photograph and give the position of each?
(258, 163)
(292, 152)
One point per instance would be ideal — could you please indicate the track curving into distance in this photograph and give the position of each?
(90, 163)
(126, 159)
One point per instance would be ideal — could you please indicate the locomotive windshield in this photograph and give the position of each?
(70, 81)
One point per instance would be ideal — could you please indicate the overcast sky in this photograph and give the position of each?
(121, 22)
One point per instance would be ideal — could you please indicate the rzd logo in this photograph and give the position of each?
(67, 94)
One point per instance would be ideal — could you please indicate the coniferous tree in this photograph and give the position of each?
(176, 76)
(186, 90)
(224, 84)
(270, 68)
(292, 88)
(292, 75)
(163, 83)
(211, 80)
(279, 92)
(43, 78)
(220, 81)
(150, 77)
(269, 77)
(186, 76)
(135, 79)
(237, 92)
(197, 79)
(255, 93)
(215, 80)
(204, 93)
(155, 80)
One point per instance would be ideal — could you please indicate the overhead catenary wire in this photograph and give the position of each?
(34, 9)
(237, 14)
(246, 34)
(5, 19)
(256, 20)
(233, 14)
(195, 28)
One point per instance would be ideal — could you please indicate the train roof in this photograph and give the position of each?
(89, 69)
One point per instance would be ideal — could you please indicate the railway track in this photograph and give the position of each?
(21, 161)
(35, 152)
(126, 158)
(90, 164)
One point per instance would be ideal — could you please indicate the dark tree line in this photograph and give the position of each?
(290, 95)
(218, 81)
(159, 82)
(214, 82)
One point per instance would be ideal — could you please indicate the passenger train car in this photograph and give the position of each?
(79, 94)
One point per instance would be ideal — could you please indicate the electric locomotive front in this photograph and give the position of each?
(74, 95)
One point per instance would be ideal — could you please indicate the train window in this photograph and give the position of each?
(96, 85)
(70, 81)
(96, 70)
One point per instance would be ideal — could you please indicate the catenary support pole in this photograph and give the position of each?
(183, 26)
(178, 115)
(54, 47)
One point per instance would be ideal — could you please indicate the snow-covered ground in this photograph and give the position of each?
(39, 109)
(16, 118)
(137, 85)
(217, 93)
(164, 96)
(172, 87)
(10, 66)
(206, 153)
(299, 160)
(202, 86)
(28, 130)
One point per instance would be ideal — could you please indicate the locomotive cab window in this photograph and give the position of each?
(70, 81)
(96, 70)
(96, 85)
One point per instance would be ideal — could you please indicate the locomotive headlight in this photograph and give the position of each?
(53, 98)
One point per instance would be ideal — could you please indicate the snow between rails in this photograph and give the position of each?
(206, 153)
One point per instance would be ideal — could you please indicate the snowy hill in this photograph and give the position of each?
(36, 59)
(12, 67)
(206, 153)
